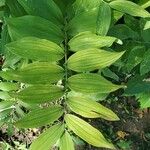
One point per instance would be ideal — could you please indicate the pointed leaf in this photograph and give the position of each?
(104, 18)
(47, 139)
(16, 10)
(34, 26)
(86, 132)
(91, 83)
(89, 40)
(129, 8)
(36, 49)
(92, 59)
(39, 93)
(88, 108)
(66, 142)
(46, 9)
(40, 117)
(35, 73)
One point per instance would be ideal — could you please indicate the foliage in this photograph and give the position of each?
(59, 58)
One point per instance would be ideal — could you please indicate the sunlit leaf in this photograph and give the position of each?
(40, 117)
(36, 49)
(47, 139)
(92, 59)
(86, 132)
(91, 83)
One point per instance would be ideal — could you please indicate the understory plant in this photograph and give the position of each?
(57, 57)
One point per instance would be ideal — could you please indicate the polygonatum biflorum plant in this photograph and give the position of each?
(55, 51)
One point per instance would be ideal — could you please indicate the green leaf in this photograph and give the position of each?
(36, 49)
(39, 94)
(145, 64)
(85, 21)
(104, 18)
(92, 96)
(6, 105)
(66, 142)
(37, 72)
(91, 83)
(85, 17)
(88, 108)
(81, 6)
(46, 9)
(144, 99)
(110, 74)
(5, 114)
(86, 132)
(34, 26)
(47, 139)
(2, 3)
(89, 40)
(134, 57)
(9, 86)
(129, 8)
(40, 117)
(92, 59)
(16, 10)
(137, 85)
(5, 95)
(123, 32)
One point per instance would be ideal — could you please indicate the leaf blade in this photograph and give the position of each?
(86, 132)
(40, 117)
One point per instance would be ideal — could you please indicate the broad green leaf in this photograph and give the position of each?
(92, 59)
(89, 40)
(36, 49)
(9, 86)
(130, 8)
(16, 10)
(34, 26)
(66, 142)
(92, 96)
(39, 94)
(6, 105)
(46, 9)
(86, 21)
(104, 18)
(47, 139)
(91, 83)
(88, 108)
(5, 95)
(81, 6)
(86, 132)
(137, 85)
(123, 32)
(145, 64)
(40, 117)
(38, 72)
(144, 99)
